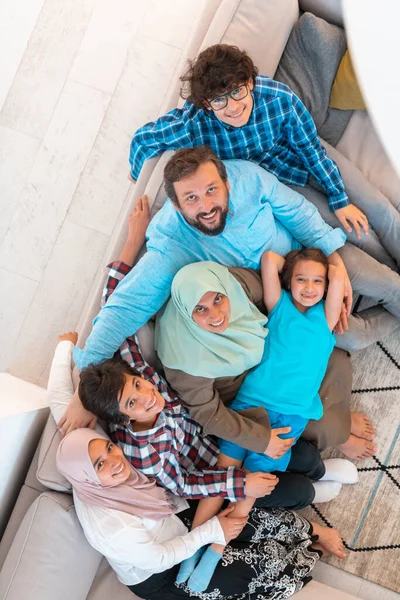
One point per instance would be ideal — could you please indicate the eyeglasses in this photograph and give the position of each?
(219, 102)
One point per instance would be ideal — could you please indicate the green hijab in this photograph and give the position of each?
(183, 345)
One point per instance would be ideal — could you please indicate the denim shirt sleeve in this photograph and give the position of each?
(304, 140)
(169, 132)
(301, 218)
(140, 295)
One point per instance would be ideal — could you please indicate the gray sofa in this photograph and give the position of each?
(43, 553)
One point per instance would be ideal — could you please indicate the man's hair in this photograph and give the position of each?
(185, 162)
(217, 69)
(100, 388)
(295, 257)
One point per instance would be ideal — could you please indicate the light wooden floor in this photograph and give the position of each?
(77, 79)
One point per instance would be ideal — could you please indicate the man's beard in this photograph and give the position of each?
(206, 230)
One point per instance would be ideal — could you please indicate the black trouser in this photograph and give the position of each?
(247, 572)
(295, 489)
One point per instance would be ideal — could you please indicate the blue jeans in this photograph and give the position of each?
(254, 461)
(379, 283)
(382, 243)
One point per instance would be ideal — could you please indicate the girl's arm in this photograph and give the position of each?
(334, 297)
(60, 388)
(271, 266)
(132, 543)
(139, 220)
(118, 269)
(124, 538)
(74, 414)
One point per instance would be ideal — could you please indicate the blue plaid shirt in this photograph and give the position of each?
(280, 136)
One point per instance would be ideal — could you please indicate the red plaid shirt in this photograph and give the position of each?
(175, 451)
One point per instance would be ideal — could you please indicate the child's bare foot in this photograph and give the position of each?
(357, 448)
(361, 426)
(329, 541)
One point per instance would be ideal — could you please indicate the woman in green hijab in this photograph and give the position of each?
(234, 339)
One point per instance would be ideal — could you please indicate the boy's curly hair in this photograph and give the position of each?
(100, 389)
(294, 257)
(217, 69)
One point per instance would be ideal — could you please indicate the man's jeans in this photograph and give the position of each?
(383, 241)
(382, 286)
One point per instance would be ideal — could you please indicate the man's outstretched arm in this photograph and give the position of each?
(139, 296)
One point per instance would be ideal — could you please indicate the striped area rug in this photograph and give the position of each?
(368, 514)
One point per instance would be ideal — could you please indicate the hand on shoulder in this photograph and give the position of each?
(71, 336)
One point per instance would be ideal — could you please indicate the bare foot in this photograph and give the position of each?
(361, 426)
(329, 541)
(357, 448)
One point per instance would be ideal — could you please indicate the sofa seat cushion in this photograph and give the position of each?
(50, 556)
(106, 585)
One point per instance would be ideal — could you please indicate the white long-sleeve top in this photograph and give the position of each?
(136, 548)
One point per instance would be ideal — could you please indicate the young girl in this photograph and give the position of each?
(287, 380)
(297, 349)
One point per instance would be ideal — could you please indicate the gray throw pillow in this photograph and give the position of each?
(308, 66)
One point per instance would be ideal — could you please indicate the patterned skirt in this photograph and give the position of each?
(271, 559)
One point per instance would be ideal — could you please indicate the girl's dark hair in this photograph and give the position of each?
(217, 69)
(100, 388)
(185, 162)
(295, 257)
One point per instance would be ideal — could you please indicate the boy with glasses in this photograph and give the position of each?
(243, 115)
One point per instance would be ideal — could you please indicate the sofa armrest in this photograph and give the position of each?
(50, 556)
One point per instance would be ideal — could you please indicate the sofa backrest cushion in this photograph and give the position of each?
(309, 65)
(47, 472)
(261, 27)
(50, 556)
